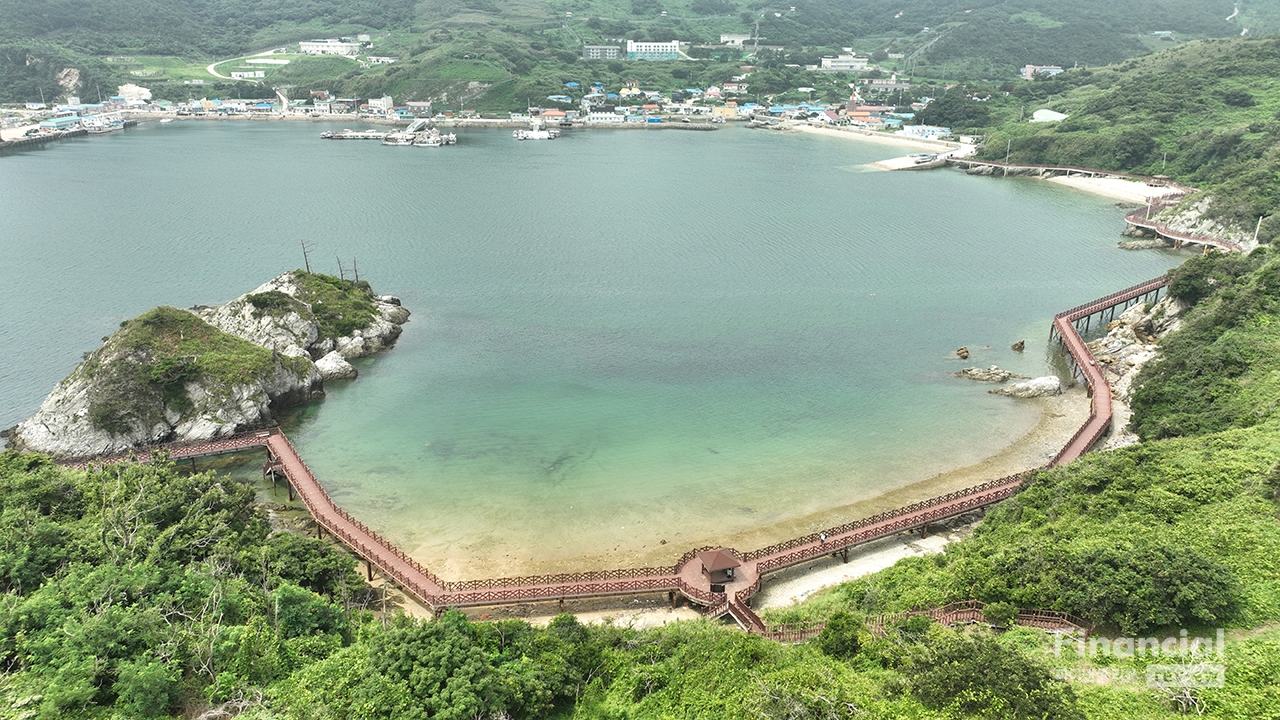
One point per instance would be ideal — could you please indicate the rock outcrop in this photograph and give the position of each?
(1033, 388)
(307, 315)
(165, 376)
(173, 375)
(991, 374)
(335, 367)
(1192, 217)
(1130, 343)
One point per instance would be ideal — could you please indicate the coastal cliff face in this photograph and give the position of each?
(174, 375)
(1130, 343)
(1192, 217)
(166, 375)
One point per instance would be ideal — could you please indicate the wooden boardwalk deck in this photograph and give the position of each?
(1142, 218)
(685, 577)
(1068, 170)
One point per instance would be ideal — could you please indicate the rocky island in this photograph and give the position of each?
(173, 375)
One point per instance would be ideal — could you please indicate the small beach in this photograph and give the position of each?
(877, 137)
(1134, 191)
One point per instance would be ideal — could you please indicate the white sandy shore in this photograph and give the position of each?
(1134, 191)
(790, 587)
(1060, 418)
(876, 137)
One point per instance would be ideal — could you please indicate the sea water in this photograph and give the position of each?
(619, 338)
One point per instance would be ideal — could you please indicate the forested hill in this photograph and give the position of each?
(988, 39)
(497, 39)
(1205, 113)
(178, 27)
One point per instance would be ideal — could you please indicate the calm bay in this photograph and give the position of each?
(619, 338)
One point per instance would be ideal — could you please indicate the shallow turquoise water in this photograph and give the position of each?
(618, 337)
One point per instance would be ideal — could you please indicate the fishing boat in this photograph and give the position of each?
(535, 132)
(399, 138)
(353, 135)
(100, 124)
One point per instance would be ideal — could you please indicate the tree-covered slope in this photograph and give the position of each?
(178, 27)
(1204, 113)
(514, 48)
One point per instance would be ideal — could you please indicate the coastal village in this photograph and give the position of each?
(878, 102)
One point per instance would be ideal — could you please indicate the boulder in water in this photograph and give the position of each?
(1033, 388)
(335, 367)
(991, 374)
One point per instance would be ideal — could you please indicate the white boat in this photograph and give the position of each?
(354, 135)
(166, 120)
(535, 132)
(100, 124)
(399, 138)
(431, 137)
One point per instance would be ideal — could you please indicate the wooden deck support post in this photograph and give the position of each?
(193, 464)
(290, 486)
(844, 555)
(368, 566)
(671, 598)
(561, 604)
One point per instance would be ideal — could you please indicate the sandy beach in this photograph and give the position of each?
(877, 137)
(1134, 191)
(1060, 417)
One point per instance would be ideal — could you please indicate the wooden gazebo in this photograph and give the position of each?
(719, 565)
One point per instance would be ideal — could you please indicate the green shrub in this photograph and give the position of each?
(274, 302)
(974, 675)
(340, 306)
(840, 638)
(1000, 614)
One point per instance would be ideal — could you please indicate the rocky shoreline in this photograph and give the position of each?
(196, 375)
(1130, 343)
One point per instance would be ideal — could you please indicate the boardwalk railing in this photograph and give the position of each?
(1142, 218)
(1151, 181)
(968, 612)
(829, 540)
(685, 575)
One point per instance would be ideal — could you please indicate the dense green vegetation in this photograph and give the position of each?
(1223, 369)
(137, 591)
(340, 306)
(183, 27)
(1206, 113)
(140, 373)
(526, 50)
